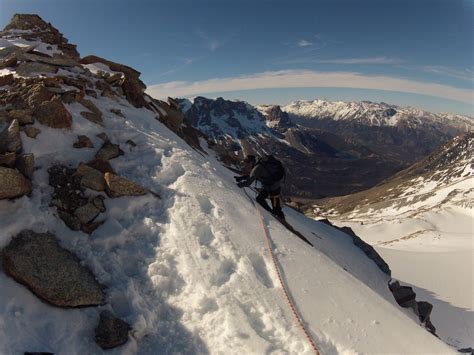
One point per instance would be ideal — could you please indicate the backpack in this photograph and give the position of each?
(274, 168)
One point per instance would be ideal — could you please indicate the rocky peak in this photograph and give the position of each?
(33, 28)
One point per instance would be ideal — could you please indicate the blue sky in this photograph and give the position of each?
(417, 52)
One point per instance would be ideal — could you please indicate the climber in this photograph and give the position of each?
(270, 172)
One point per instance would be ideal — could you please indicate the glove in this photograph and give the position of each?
(237, 178)
(241, 184)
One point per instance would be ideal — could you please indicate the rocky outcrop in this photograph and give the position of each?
(51, 272)
(118, 186)
(13, 184)
(35, 28)
(111, 331)
(131, 85)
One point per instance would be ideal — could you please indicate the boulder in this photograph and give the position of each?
(91, 178)
(70, 220)
(31, 132)
(424, 310)
(117, 112)
(7, 160)
(26, 165)
(30, 68)
(109, 151)
(10, 140)
(53, 114)
(103, 136)
(111, 331)
(118, 186)
(83, 142)
(51, 272)
(13, 184)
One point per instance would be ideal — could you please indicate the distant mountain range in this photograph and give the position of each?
(329, 148)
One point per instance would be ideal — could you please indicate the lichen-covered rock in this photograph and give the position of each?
(53, 114)
(118, 186)
(30, 68)
(111, 331)
(24, 117)
(10, 139)
(26, 164)
(52, 273)
(13, 184)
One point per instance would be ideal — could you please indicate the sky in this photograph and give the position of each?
(416, 52)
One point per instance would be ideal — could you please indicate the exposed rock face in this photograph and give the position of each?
(118, 186)
(10, 140)
(31, 68)
(53, 114)
(111, 331)
(275, 117)
(13, 184)
(52, 273)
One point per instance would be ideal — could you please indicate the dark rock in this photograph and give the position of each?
(131, 143)
(53, 114)
(26, 165)
(70, 220)
(118, 186)
(98, 202)
(424, 310)
(111, 331)
(103, 136)
(83, 142)
(52, 273)
(6, 79)
(117, 112)
(109, 151)
(101, 165)
(91, 227)
(403, 295)
(36, 95)
(10, 139)
(13, 184)
(67, 188)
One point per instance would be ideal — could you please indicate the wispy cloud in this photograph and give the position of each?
(342, 61)
(464, 74)
(185, 62)
(211, 43)
(308, 79)
(304, 43)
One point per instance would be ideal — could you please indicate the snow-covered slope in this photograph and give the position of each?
(421, 222)
(190, 271)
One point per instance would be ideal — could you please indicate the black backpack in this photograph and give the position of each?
(274, 168)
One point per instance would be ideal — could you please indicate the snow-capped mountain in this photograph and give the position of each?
(421, 221)
(98, 194)
(402, 133)
(235, 129)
